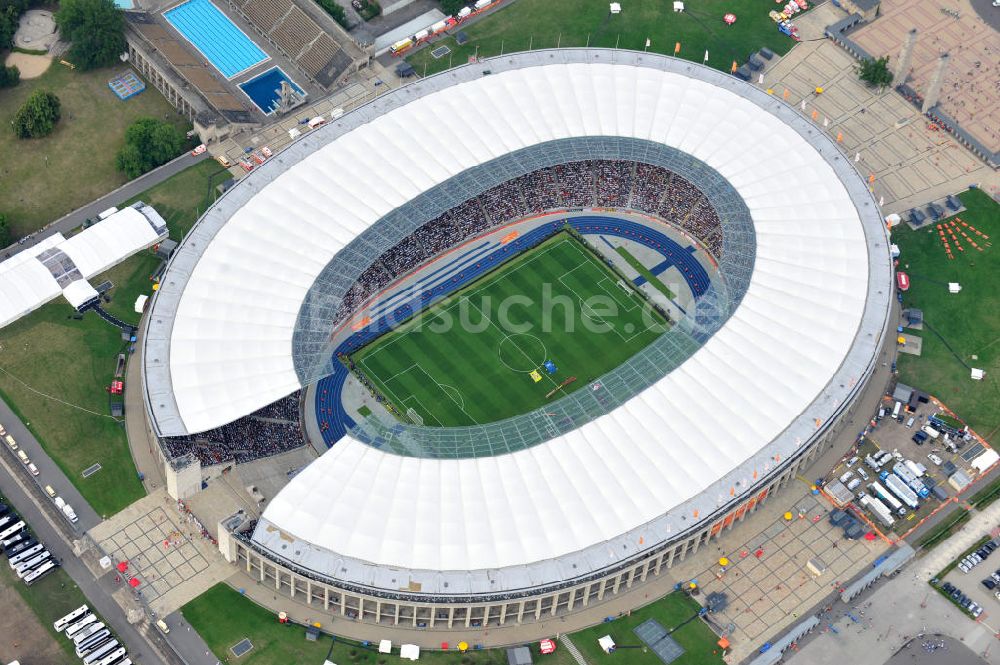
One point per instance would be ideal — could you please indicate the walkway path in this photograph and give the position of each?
(573, 651)
(72, 220)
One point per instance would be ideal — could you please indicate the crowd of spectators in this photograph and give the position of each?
(269, 431)
(590, 183)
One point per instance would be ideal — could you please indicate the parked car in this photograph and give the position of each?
(989, 583)
(32, 468)
(862, 473)
(934, 458)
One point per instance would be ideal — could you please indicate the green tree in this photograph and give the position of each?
(9, 77)
(37, 116)
(10, 12)
(148, 143)
(335, 11)
(4, 232)
(452, 7)
(96, 30)
(875, 72)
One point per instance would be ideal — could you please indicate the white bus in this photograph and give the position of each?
(40, 572)
(75, 628)
(112, 657)
(11, 530)
(16, 560)
(87, 633)
(94, 642)
(60, 624)
(25, 567)
(100, 652)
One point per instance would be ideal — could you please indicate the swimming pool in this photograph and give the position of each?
(216, 37)
(263, 89)
(124, 4)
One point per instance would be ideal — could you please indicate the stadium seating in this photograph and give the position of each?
(584, 184)
(266, 13)
(298, 36)
(295, 32)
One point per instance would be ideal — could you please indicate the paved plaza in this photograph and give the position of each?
(912, 163)
(164, 551)
(970, 93)
(769, 593)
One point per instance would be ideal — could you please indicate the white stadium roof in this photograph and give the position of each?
(783, 364)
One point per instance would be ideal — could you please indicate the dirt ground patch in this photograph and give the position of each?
(31, 66)
(22, 636)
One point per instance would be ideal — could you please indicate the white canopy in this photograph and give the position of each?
(764, 374)
(409, 652)
(26, 283)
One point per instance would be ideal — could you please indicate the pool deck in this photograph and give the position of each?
(277, 59)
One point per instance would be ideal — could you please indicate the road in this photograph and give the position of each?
(72, 220)
(56, 532)
(48, 472)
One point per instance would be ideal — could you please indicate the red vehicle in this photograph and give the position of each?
(903, 281)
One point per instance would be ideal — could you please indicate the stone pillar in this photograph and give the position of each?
(326, 599)
(378, 611)
(396, 622)
(520, 611)
(503, 613)
(902, 71)
(934, 88)
(451, 617)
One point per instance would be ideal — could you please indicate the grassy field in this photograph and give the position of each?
(52, 597)
(547, 23)
(968, 322)
(43, 179)
(53, 368)
(276, 644)
(468, 359)
(696, 638)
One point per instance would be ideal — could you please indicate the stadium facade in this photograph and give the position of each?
(460, 526)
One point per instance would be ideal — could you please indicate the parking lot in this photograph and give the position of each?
(971, 584)
(896, 436)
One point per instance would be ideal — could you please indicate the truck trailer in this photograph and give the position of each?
(887, 497)
(900, 489)
(877, 508)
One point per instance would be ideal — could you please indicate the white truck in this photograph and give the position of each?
(877, 508)
(887, 497)
(900, 489)
(911, 479)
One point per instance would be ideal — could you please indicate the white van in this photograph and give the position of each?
(930, 431)
(896, 409)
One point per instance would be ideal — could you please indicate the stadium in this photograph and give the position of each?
(725, 283)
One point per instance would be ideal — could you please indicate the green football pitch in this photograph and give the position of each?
(470, 358)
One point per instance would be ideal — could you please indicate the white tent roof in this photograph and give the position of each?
(106, 243)
(79, 292)
(230, 342)
(26, 284)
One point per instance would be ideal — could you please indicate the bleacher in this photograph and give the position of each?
(265, 14)
(294, 33)
(317, 56)
(301, 38)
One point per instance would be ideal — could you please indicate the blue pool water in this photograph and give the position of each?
(215, 36)
(124, 4)
(263, 89)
